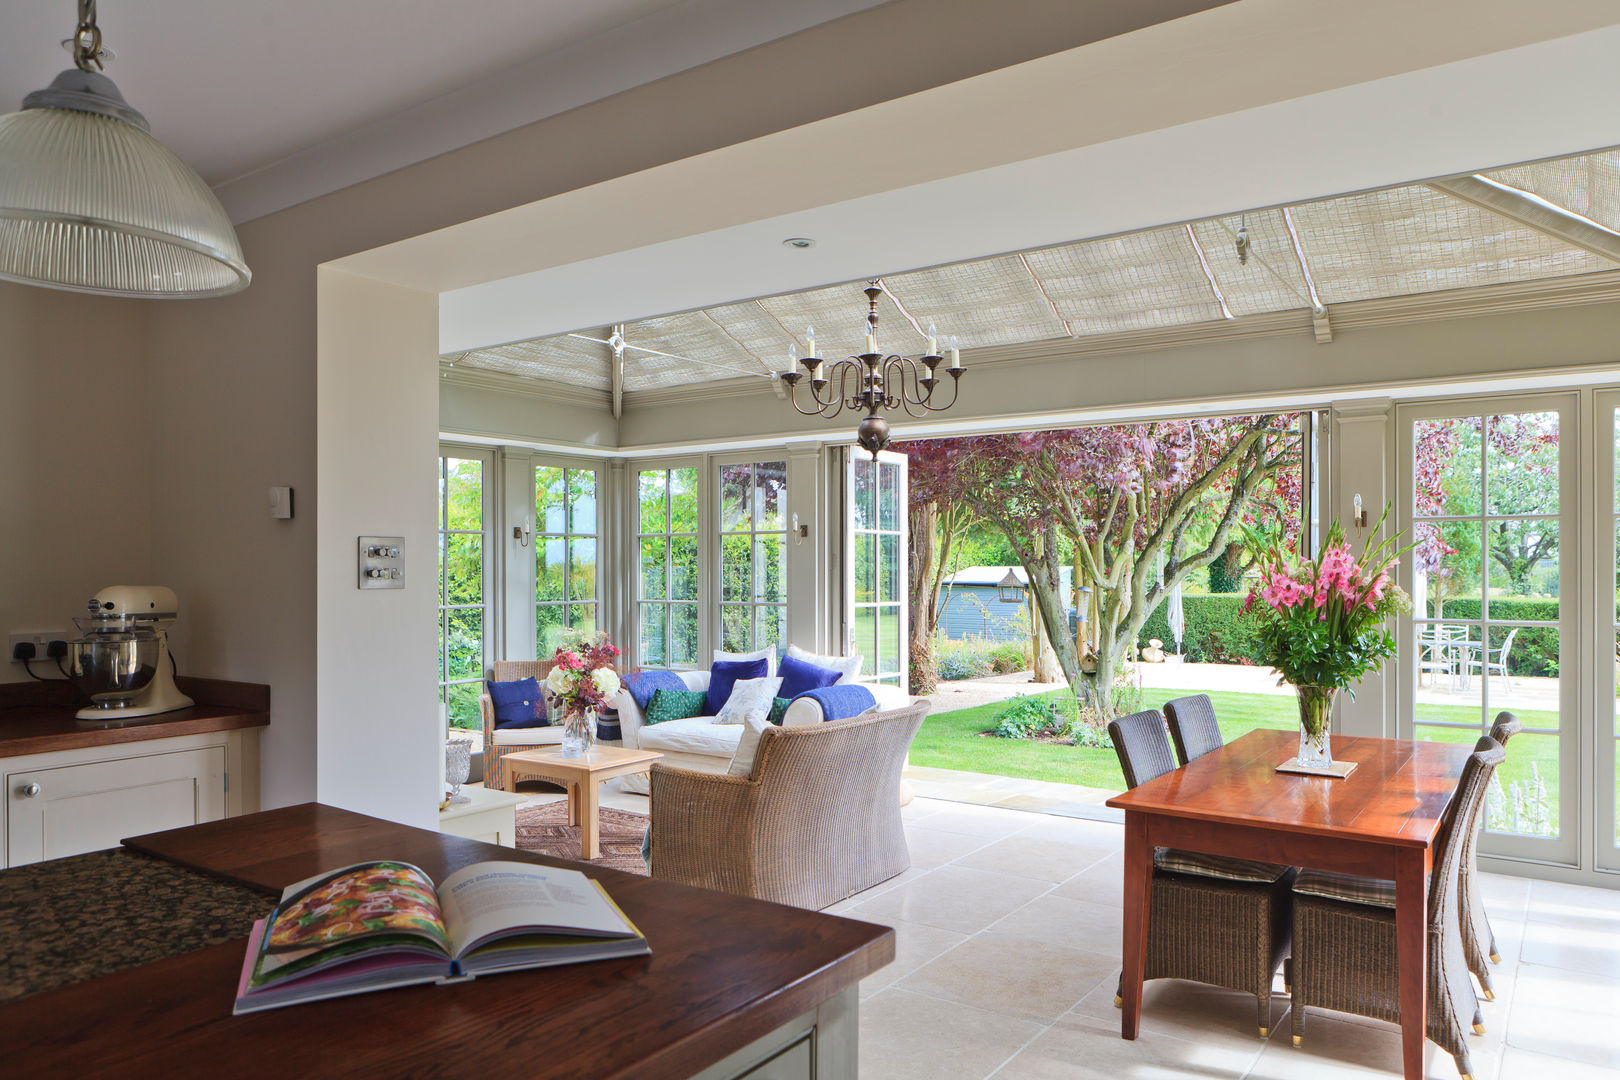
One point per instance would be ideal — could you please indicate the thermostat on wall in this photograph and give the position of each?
(281, 503)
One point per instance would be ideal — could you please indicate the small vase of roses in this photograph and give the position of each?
(581, 682)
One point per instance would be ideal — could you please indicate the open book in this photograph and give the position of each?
(376, 925)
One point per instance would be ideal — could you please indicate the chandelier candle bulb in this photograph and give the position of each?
(933, 341)
(956, 355)
(809, 341)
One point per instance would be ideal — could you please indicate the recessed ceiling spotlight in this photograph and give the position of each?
(800, 242)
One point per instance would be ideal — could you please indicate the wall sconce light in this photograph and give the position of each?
(521, 533)
(1359, 517)
(801, 533)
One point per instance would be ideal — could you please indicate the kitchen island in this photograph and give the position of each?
(734, 987)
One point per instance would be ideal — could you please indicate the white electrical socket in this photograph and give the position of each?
(40, 638)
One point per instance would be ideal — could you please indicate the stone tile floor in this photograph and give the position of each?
(1008, 927)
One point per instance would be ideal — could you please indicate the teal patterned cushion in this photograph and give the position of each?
(675, 705)
(778, 707)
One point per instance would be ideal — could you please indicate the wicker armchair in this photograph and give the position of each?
(1344, 933)
(1211, 919)
(817, 821)
(1479, 943)
(495, 775)
(1192, 726)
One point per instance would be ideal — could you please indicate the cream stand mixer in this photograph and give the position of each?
(122, 661)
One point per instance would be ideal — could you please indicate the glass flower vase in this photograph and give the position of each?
(1316, 725)
(579, 732)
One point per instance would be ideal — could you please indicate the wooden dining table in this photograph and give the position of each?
(1381, 821)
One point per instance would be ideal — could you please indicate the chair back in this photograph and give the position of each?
(1192, 726)
(1507, 725)
(508, 670)
(1142, 745)
(1462, 818)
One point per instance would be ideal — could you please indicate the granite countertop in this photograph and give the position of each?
(37, 717)
(67, 920)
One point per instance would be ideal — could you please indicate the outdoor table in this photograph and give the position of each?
(1381, 821)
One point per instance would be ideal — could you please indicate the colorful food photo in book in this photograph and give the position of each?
(377, 898)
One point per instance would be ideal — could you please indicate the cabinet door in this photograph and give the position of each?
(53, 813)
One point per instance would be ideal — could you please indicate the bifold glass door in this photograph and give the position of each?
(1606, 634)
(1490, 493)
(875, 564)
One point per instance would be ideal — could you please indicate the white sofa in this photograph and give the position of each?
(699, 743)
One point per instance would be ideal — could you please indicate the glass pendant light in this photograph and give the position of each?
(91, 202)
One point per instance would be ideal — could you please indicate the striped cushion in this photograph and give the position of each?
(1217, 866)
(1347, 887)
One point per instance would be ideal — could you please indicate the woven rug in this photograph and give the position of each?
(545, 831)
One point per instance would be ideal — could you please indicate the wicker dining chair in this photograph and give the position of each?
(1192, 726)
(1211, 919)
(1479, 942)
(816, 821)
(1344, 955)
(495, 775)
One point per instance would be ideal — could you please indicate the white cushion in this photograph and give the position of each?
(848, 667)
(530, 736)
(742, 762)
(749, 698)
(768, 654)
(693, 735)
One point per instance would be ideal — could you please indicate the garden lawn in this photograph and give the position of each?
(952, 740)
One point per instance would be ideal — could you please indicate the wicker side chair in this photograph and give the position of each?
(1479, 942)
(1211, 919)
(816, 822)
(1344, 933)
(495, 774)
(1192, 726)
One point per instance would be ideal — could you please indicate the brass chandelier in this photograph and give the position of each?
(872, 382)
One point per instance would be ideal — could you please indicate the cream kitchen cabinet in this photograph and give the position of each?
(68, 802)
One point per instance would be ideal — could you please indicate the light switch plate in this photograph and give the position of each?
(382, 562)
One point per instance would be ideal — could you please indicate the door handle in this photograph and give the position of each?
(28, 791)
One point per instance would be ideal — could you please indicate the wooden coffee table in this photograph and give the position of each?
(582, 776)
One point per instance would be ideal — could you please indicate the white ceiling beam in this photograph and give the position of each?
(1532, 211)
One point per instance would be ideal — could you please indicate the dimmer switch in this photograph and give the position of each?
(382, 562)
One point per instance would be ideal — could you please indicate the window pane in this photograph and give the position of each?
(440, 660)
(770, 625)
(462, 698)
(683, 635)
(683, 570)
(652, 497)
(550, 571)
(735, 481)
(864, 634)
(463, 569)
(582, 500)
(736, 569)
(1521, 464)
(865, 570)
(438, 553)
(683, 500)
(735, 635)
(889, 585)
(770, 489)
(865, 494)
(549, 508)
(888, 497)
(547, 624)
(770, 569)
(1448, 568)
(652, 634)
(582, 619)
(464, 643)
(1524, 793)
(1449, 688)
(654, 553)
(1446, 466)
(1522, 674)
(582, 570)
(465, 491)
(888, 635)
(441, 489)
(1521, 568)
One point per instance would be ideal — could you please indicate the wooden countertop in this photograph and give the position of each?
(724, 970)
(37, 717)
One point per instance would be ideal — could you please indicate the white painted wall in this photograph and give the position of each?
(76, 452)
(377, 738)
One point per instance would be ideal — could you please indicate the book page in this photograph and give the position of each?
(489, 899)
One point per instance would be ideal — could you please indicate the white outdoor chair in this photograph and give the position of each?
(1498, 666)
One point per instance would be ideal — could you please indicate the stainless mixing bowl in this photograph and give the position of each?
(112, 669)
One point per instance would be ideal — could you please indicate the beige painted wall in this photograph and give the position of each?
(75, 457)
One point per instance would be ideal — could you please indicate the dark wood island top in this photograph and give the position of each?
(724, 972)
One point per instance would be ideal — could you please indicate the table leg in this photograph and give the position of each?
(589, 833)
(573, 803)
(1138, 890)
(1412, 954)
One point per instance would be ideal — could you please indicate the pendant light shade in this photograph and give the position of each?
(91, 202)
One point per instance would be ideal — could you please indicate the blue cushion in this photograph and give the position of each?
(518, 704)
(726, 673)
(800, 675)
(842, 701)
(644, 684)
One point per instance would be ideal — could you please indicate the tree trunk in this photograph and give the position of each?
(924, 525)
